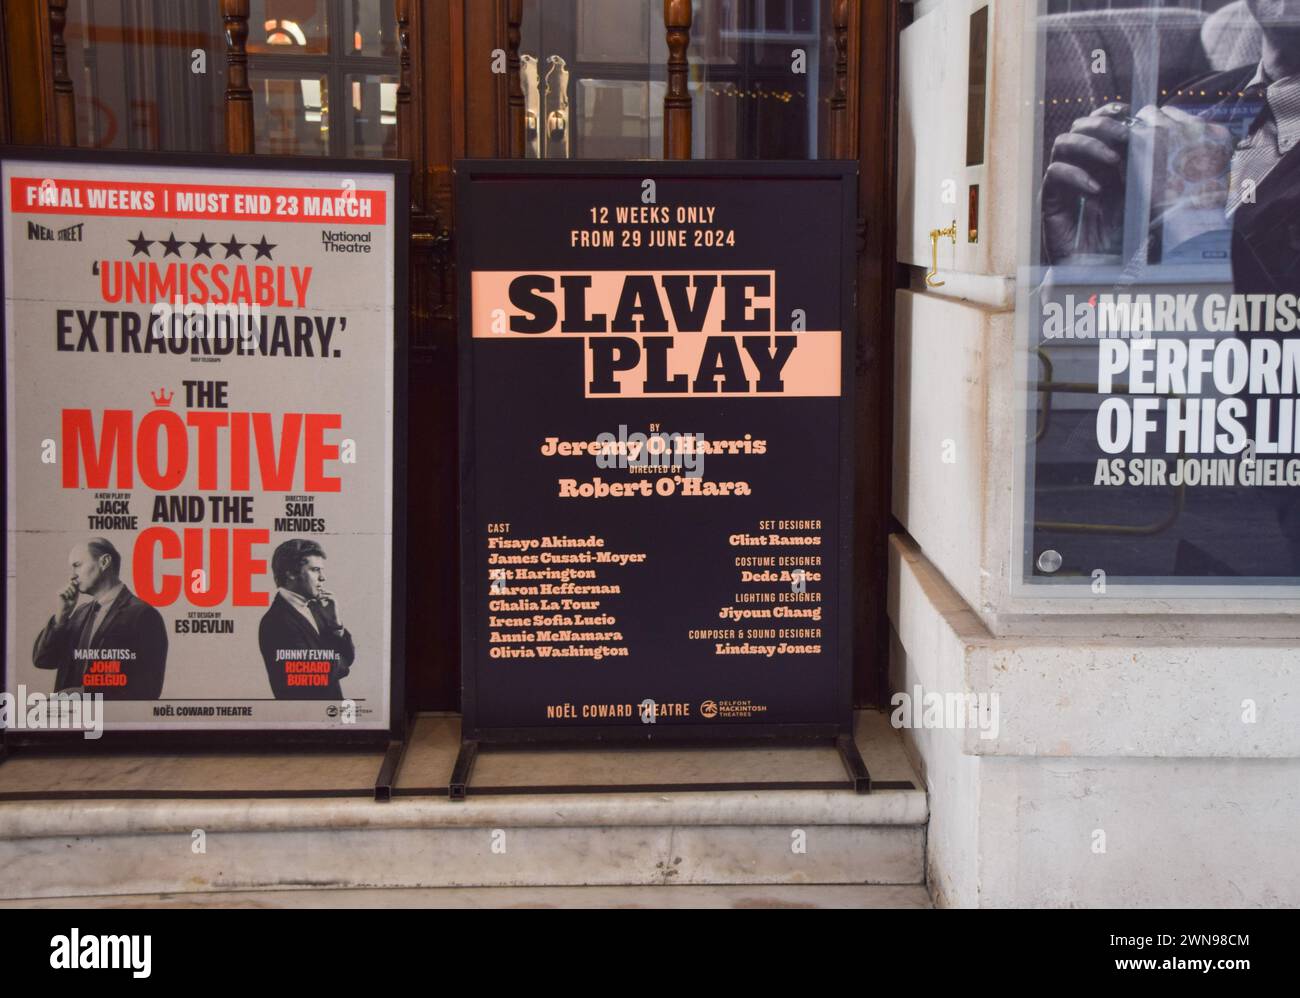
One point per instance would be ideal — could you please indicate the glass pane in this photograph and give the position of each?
(717, 110)
(290, 112)
(804, 15)
(1159, 266)
(289, 27)
(138, 84)
(372, 115)
(620, 119)
(134, 75)
(372, 27)
(593, 73)
(622, 31)
(767, 68)
(761, 75)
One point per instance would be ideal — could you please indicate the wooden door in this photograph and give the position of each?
(711, 75)
(460, 107)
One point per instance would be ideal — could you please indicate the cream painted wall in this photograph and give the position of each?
(1123, 715)
(933, 178)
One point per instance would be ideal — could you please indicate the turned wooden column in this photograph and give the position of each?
(65, 103)
(405, 124)
(840, 93)
(239, 98)
(514, 82)
(677, 99)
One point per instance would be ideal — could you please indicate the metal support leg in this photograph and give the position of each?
(852, 760)
(392, 764)
(460, 773)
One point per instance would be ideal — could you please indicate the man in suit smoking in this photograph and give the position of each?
(305, 649)
(113, 625)
(1225, 172)
(1203, 175)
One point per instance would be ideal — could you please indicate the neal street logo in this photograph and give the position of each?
(43, 233)
(68, 711)
(95, 952)
(921, 709)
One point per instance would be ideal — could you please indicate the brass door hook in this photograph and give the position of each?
(935, 236)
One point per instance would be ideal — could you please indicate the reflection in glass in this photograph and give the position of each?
(286, 27)
(600, 70)
(760, 71)
(762, 66)
(622, 31)
(372, 27)
(290, 113)
(309, 50)
(132, 75)
(132, 68)
(532, 106)
(556, 114)
(372, 115)
(620, 119)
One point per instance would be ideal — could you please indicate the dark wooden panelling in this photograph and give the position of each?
(6, 117)
(459, 107)
(677, 98)
(65, 105)
(406, 125)
(485, 109)
(239, 97)
(27, 58)
(876, 150)
(840, 131)
(514, 86)
(440, 132)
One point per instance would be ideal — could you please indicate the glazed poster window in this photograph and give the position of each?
(1159, 308)
(655, 420)
(202, 378)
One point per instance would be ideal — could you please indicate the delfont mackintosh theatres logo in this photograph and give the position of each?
(711, 709)
(68, 711)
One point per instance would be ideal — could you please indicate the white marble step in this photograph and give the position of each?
(62, 848)
(808, 896)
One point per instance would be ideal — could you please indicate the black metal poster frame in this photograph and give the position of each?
(72, 742)
(474, 733)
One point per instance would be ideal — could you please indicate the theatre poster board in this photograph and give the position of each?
(204, 401)
(1159, 325)
(656, 449)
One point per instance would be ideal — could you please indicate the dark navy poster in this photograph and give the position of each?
(655, 516)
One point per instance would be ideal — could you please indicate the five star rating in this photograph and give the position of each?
(171, 246)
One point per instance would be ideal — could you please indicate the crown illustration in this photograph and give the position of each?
(162, 397)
